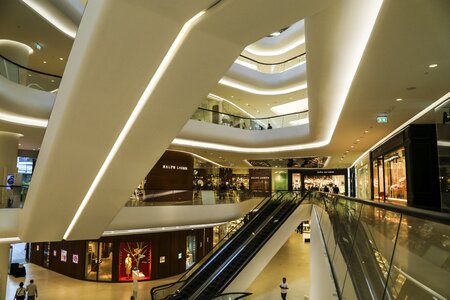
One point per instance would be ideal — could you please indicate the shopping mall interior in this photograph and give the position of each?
(207, 149)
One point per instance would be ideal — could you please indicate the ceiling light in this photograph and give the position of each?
(260, 91)
(61, 58)
(366, 131)
(18, 119)
(20, 144)
(352, 146)
(54, 16)
(135, 114)
(29, 75)
(433, 66)
(291, 107)
(53, 80)
(44, 61)
(279, 51)
(18, 45)
(198, 144)
(399, 99)
(358, 140)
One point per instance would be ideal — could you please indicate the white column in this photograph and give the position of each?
(9, 143)
(4, 260)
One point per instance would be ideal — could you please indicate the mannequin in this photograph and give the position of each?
(128, 265)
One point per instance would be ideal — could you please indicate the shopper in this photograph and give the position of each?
(284, 288)
(20, 292)
(32, 290)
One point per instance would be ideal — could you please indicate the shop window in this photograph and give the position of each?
(296, 183)
(363, 191)
(99, 259)
(191, 250)
(320, 182)
(135, 256)
(395, 175)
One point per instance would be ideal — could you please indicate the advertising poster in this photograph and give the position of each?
(63, 255)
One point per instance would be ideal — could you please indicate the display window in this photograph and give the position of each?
(363, 182)
(134, 256)
(389, 176)
(191, 250)
(325, 183)
(99, 261)
(296, 181)
(395, 175)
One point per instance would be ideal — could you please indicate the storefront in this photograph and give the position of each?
(405, 169)
(260, 182)
(112, 259)
(299, 179)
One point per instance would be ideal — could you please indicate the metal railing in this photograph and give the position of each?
(226, 119)
(271, 68)
(28, 77)
(383, 251)
(13, 196)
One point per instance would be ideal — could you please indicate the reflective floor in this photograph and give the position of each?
(292, 261)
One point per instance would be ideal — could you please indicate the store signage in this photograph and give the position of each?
(382, 119)
(162, 259)
(175, 167)
(325, 172)
(54, 252)
(260, 177)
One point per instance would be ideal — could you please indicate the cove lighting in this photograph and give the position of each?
(253, 50)
(9, 240)
(260, 91)
(135, 114)
(12, 43)
(299, 122)
(198, 144)
(291, 107)
(53, 16)
(28, 121)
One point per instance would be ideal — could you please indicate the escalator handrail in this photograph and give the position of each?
(233, 237)
(430, 215)
(302, 198)
(294, 199)
(244, 244)
(219, 244)
(250, 118)
(31, 70)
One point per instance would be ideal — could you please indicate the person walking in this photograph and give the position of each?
(284, 288)
(32, 290)
(20, 292)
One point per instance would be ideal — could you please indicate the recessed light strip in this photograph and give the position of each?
(53, 16)
(280, 51)
(134, 115)
(28, 121)
(9, 240)
(200, 157)
(259, 91)
(198, 144)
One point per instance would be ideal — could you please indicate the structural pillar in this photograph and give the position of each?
(9, 144)
(4, 260)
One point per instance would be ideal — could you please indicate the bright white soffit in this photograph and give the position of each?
(17, 44)
(272, 69)
(53, 15)
(369, 15)
(278, 51)
(135, 113)
(291, 107)
(9, 240)
(260, 91)
(22, 120)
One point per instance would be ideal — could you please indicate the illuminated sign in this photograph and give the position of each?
(382, 119)
(175, 167)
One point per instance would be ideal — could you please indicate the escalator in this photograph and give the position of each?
(211, 279)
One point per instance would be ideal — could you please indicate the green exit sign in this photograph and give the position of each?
(381, 119)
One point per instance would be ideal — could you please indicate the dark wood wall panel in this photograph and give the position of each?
(173, 171)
